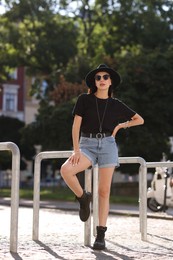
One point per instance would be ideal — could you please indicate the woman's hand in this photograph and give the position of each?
(74, 158)
(116, 129)
(135, 120)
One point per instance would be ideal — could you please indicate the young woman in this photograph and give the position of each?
(97, 119)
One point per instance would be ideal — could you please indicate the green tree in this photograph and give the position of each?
(147, 88)
(32, 35)
(52, 129)
(10, 131)
(135, 37)
(132, 23)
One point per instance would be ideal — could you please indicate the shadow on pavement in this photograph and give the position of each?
(16, 256)
(109, 254)
(164, 238)
(49, 250)
(136, 251)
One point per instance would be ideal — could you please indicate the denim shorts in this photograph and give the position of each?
(103, 151)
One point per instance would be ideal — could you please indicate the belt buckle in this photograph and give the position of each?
(99, 135)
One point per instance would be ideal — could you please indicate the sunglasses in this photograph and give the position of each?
(105, 77)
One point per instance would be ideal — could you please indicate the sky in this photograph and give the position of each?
(2, 9)
(73, 6)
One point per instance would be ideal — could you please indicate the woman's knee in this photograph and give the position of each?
(104, 192)
(64, 170)
(67, 170)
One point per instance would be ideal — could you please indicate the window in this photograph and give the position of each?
(10, 97)
(10, 102)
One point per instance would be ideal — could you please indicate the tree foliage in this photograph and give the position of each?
(34, 37)
(146, 88)
(66, 91)
(52, 128)
(10, 131)
(60, 41)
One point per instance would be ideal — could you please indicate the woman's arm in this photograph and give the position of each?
(135, 120)
(75, 132)
(74, 158)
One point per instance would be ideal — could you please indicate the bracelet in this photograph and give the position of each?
(77, 151)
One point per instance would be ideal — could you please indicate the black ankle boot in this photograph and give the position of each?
(84, 202)
(99, 243)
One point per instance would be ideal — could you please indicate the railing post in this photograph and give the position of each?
(140, 196)
(14, 196)
(95, 199)
(36, 198)
(143, 200)
(14, 192)
(87, 224)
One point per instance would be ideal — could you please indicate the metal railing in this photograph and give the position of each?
(36, 200)
(159, 164)
(37, 170)
(88, 181)
(142, 195)
(14, 192)
(88, 185)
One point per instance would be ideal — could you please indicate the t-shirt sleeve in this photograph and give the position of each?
(79, 107)
(126, 112)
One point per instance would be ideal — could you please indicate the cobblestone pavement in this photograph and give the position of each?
(61, 236)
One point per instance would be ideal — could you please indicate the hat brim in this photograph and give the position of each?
(115, 77)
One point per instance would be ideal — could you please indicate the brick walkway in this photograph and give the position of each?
(62, 237)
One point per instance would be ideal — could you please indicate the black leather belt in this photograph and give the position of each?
(98, 135)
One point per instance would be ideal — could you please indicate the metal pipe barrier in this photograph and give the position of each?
(159, 164)
(37, 170)
(142, 194)
(142, 190)
(87, 224)
(95, 200)
(88, 182)
(14, 192)
(36, 200)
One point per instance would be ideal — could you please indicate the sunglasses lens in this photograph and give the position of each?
(97, 77)
(105, 77)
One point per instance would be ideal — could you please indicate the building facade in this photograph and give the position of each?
(15, 100)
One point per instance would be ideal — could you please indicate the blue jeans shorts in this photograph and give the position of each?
(102, 151)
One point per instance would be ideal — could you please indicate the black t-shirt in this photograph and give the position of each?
(116, 112)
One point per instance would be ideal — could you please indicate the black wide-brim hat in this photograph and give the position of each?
(115, 77)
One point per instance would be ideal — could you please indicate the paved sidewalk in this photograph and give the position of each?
(62, 234)
(117, 209)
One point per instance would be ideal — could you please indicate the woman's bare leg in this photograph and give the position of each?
(69, 171)
(105, 179)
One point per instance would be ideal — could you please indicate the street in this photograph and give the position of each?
(61, 236)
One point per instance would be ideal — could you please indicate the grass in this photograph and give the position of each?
(63, 194)
(53, 193)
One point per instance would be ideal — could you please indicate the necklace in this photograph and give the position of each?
(98, 114)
